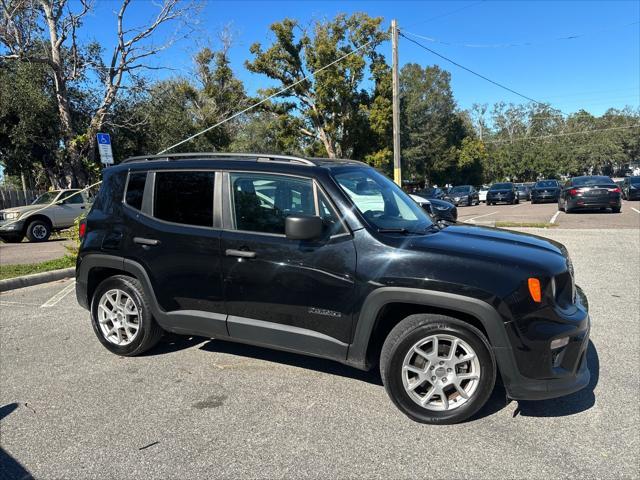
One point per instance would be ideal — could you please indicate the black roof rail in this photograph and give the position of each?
(258, 157)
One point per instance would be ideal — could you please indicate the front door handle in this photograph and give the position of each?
(239, 253)
(145, 241)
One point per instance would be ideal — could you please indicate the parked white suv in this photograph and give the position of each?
(51, 211)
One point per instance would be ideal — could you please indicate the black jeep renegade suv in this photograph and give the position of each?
(330, 258)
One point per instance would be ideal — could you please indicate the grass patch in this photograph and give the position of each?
(526, 224)
(11, 271)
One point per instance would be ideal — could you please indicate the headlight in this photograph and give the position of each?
(441, 208)
(11, 215)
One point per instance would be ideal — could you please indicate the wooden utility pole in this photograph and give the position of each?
(397, 169)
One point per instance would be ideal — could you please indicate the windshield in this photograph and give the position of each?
(45, 198)
(635, 180)
(501, 186)
(428, 192)
(581, 181)
(546, 184)
(382, 203)
(522, 188)
(461, 189)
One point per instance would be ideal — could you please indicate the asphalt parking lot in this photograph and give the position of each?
(525, 212)
(26, 252)
(199, 408)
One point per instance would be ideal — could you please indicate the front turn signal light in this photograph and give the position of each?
(534, 289)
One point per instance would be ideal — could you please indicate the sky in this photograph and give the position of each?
(520, 44)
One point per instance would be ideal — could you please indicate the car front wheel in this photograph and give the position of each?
(121, 317)
(38, 231)
(437, 369)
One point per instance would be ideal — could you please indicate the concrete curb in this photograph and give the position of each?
(36, 279)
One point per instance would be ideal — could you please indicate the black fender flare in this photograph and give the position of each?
(376, 300)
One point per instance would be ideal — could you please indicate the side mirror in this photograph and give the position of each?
(59, 202)
(303, 227)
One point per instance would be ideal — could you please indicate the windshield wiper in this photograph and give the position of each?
(393, 230)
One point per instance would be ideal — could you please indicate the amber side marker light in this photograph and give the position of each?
(535, 290)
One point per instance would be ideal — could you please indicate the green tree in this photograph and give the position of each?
(332, 103)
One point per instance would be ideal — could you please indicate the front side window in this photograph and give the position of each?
(69, 198)
(135, 189)
(262, 202)
(382, 203)
(184, 197)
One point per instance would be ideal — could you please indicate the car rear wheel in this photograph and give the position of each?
(437, 369)
(38, 231)
(121, 317)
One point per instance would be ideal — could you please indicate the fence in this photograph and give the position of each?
(13, 197)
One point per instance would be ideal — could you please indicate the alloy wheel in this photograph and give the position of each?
(441, 372)
(39, 231)
(118, 317)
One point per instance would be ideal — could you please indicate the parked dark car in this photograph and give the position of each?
(432, 192)
(438, 209)
(502, 193)
(545, 191)
(523, 191)
(631, 188)
(330, 258)
(590, 192)
(463, 195)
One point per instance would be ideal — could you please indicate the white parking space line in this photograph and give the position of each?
(555, 215)
(471, 220)
(635, 210)
(53, 301)
(7, 303)
(518, 205)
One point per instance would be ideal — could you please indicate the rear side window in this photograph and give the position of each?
(135, 189)
(184, 197)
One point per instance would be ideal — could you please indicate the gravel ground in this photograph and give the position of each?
(195, 408)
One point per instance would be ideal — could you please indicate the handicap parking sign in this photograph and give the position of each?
(104, 147)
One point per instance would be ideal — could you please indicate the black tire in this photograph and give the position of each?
(533, 202)
(12, 238)
(410, 331)
(615, 210)
(149, 332)
(38, 231)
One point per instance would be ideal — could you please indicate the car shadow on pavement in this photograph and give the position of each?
(173, 343)
(293, 359)
(570, 404)
(9, 466)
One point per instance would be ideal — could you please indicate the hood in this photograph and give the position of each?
(500, 191)
(24, 209)
(545, 188)
(504, 247)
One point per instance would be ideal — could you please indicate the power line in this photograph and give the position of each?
(422, 22)
(518, 44)
(480, 75)
(564, 134)
(279, 92)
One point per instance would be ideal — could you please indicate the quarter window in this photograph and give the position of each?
(135, 189)
(184, 197)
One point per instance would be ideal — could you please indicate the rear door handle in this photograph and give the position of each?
(239, 253)
(145, 241)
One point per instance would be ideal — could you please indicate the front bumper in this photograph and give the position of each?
(501, 198)
(544, 197)
(11, 226)
(537, 371)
